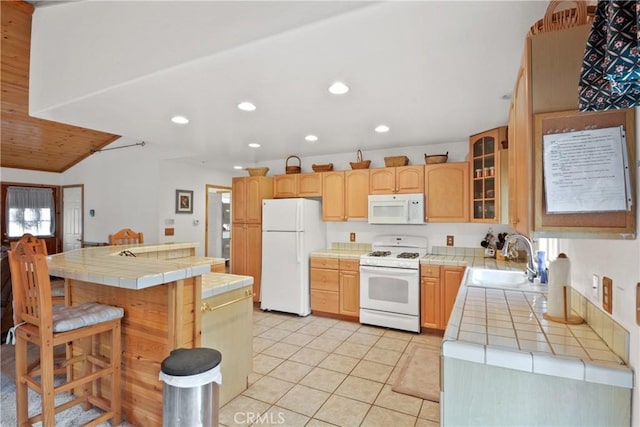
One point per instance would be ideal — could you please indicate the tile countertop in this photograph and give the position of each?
(218, 283)
(103, 265)
(506, 328)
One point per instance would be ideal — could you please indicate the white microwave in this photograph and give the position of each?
(396, 209)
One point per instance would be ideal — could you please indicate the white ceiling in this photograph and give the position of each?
(433, 71)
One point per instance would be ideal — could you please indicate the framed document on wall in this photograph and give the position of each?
(584, 174)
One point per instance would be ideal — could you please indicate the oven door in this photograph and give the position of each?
(394, 290)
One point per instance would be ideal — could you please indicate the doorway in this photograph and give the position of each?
(72, 217)
(218, 223)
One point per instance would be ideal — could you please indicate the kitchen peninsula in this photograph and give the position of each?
(160, 287)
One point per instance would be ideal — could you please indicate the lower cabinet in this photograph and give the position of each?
(335, 286)
(246, 253)
(438, 290)
(227, 327)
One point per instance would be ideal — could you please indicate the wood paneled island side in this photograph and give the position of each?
(159, 287)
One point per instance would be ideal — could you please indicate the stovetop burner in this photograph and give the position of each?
(408, 255)
(380, 253)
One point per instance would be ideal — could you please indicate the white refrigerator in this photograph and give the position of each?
(291, 230)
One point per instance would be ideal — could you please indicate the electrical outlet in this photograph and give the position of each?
(449, 240)
(352, 237)
(595, 287)
(607, 294)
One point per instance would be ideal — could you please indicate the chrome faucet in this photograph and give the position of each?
(532, 271)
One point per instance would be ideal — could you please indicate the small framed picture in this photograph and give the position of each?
(184, 201)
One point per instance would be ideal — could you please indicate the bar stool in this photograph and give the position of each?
(38, 322)
(39, 246)
(126, 236)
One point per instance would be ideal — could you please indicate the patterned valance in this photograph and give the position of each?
(610, 75)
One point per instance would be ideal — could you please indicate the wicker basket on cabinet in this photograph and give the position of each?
(396, 161)
(359, 163)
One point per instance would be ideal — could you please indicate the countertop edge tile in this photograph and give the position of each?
(464, 351)
(507, 358)
(558, 366)
(600, 373)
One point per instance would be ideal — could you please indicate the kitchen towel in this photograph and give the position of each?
(559, 280)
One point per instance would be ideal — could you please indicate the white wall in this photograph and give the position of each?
(620, 261)
(134, 187)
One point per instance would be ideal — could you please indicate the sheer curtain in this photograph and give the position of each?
(610, 75)
(30, 210)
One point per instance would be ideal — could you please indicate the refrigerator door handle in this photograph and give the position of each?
(298, 216)
(298, 247)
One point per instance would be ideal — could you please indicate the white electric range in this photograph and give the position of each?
(390, 282)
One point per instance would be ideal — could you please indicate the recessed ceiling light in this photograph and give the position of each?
(238, 167)
(181, 120)
(254, 145)
(338, 88)
(311, 138)
(246, 106)
(382, 128)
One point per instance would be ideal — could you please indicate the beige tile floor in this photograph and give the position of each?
(317, 371)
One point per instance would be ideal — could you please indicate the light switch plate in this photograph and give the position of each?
(607, 294)
(449, 240)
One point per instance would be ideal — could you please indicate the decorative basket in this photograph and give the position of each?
(579, 15)
(257, 171)
(322, 168)
(396, 161)
(292, 169)
(359, 163)
(436, 158)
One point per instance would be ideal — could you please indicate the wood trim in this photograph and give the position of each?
(614, 225)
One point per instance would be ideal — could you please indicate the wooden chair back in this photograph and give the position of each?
(126, 236)
(31, 287)
(39, 246)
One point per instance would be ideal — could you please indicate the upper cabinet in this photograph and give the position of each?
(488, 162)
(447, 192)
(248, 193)
(345, 195)
(400, 179)
(298, 185)
(520, 150)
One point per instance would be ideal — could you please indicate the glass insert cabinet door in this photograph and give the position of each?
(486, 168)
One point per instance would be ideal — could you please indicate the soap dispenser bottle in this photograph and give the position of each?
(542, 267)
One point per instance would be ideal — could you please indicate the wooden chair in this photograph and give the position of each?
(39, 246)
(126, 236)
(85, 327)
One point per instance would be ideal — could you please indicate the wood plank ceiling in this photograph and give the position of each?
(28, 142)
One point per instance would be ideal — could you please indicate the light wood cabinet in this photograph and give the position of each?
(350, 287)
(447, 192)
(430, 296)
(438, 290)
(488, 163)
(248, 193)
(246, 226)
(546, 81)
(297, 185)
(345, 195)
(451, 278)
(246, 253)
(335, 286)
(401, 179)
(227, 327)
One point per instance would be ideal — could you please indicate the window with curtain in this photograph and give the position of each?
(610, 75)
(30, 210)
